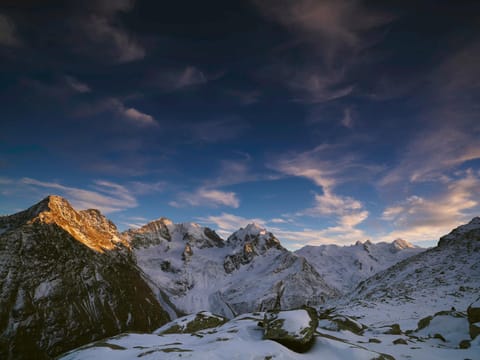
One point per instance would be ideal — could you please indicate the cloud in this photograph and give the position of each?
(107, 196)
(137, 116)
(207, 197)
(278, 221)
(142, 188)
(229, 223)
(317, 165)
(117, 107)
(419, 218)
(176, 79)
(316, 85)
(246, 97)
(77, 85)
(8, 32)
(332, 25)
(102, 32)
(217, 130)
(330, 34)
(189, 77)
(62, 87)
(347, 120)
(433, 152)
(448, 127)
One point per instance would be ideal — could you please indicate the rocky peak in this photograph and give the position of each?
(89, 227)
(467, 233)
(247, 243)
(400, 244)
(152, 233)
(256, 236)
(164, 230)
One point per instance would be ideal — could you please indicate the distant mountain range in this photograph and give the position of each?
(69, 277)
(343, 267)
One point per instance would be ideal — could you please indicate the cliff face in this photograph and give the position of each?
(67, 278)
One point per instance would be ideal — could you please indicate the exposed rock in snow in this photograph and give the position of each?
(294, 329)
(243, 338)
(192, 323)
(250, 271)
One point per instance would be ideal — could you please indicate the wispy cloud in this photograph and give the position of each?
(246, 97)
(217, 130)
(207, 197)
(103, 33)
(106, 196)
(432, 152)
(61, 87)
(179, 78)
(226, 223)
(317, 165)
(420, 218)
(332, 25)
(77, 85)
(317, 85)
(190, 76)
(448, 127)
(347, 120)
(142, 188)
(118, 108)
(8, 32)
(334, 33)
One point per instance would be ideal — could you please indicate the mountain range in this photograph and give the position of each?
(70, 277)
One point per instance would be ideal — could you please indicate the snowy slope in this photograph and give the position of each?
(438, 279)
(250, 271)
(242, 338)
(343, 267)
(67, 278)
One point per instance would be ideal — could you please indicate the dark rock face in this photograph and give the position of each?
(64, 285)
(466, 235)
(473, 313)
(249, 243)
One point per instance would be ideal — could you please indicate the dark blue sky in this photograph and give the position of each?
(324, 121)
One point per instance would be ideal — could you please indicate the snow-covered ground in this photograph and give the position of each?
(242, 338)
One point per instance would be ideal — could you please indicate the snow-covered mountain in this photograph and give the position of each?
(438, 279)
(424, 307)
(67, 278)
(249, 271)
(343, 267)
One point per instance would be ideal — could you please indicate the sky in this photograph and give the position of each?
(323, 121)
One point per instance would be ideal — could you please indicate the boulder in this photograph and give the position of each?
(346, 323)
(473, 313)
(400, 341)
(192, 323)
(294, 329)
